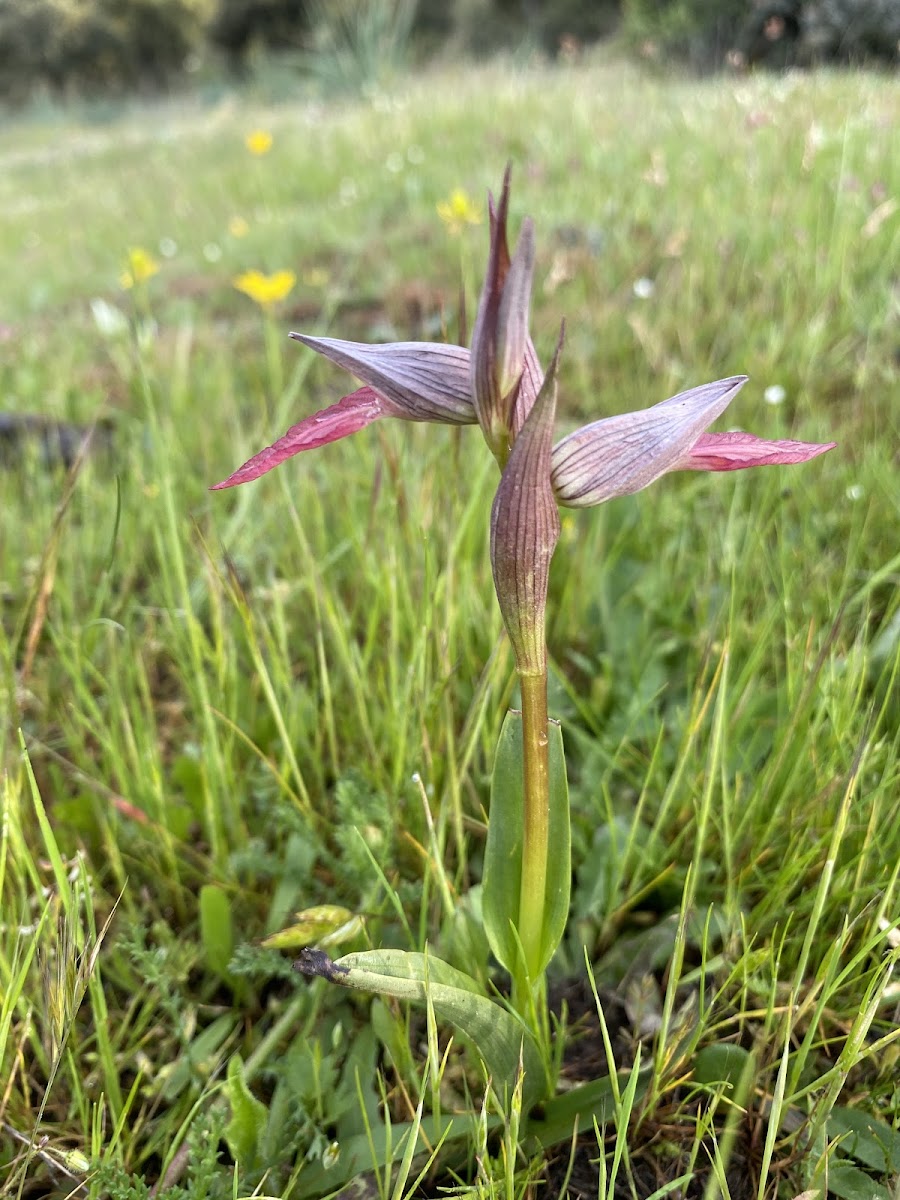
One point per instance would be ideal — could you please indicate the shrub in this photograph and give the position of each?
(434, 24)
(769, 36)
(774, 33)
(93, 45)
(852, 30)
(239, 26)
(699, 32)
(481, 26)
(561, 22)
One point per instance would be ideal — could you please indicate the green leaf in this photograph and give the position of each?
(323, 923)
(600, 871)
(244, 1132)
(503, 853)
(216, 931)
(579, 1108)
(357, 1103)
(201, 1058)
(559, 859)
(385, 1144)
(498, 1035)
(850, 1183)
(868, 1139)
(722, 1063)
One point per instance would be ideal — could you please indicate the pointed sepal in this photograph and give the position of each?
(524, 531)
(623, 454)
(417, 381)
(500, 339)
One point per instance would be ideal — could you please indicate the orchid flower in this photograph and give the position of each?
(615, 456)
(495, 385)
(500, 338)
(499, 385)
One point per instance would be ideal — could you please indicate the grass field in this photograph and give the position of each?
(224, 709)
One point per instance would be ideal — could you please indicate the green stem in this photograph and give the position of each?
(536, 771)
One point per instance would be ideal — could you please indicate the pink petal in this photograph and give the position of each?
(732, 451)
(620, 455)
(349, 415)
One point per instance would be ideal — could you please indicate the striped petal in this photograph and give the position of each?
(623, 454)
(500, 338)
(419, 381)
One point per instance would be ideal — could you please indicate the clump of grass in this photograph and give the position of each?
(213, 702)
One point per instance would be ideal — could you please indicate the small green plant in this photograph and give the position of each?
(358, 44)
(499, 385)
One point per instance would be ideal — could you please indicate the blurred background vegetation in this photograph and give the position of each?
(86, 47)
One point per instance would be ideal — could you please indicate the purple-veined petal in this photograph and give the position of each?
(512, 317)
(623, 454)
(483, 365)
(733, 451)
(531, 383)
(420, 381)
(524, 531)
(349, 415)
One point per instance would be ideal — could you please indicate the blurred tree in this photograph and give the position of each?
(483, 26)
(851, 31)
(774, 33)
(96, 45)
(239, 26)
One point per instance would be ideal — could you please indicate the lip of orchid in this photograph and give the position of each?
(340, 420)
(735, 450)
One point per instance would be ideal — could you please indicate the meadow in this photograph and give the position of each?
(237, 723)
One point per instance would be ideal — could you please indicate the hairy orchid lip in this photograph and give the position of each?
(626, 453)
(413, 381)
(737, 450)
(349, 415)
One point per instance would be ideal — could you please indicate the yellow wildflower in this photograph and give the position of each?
(265, 289)
(140, 266)
(238, 227)
(258, 142)
(458, 211)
